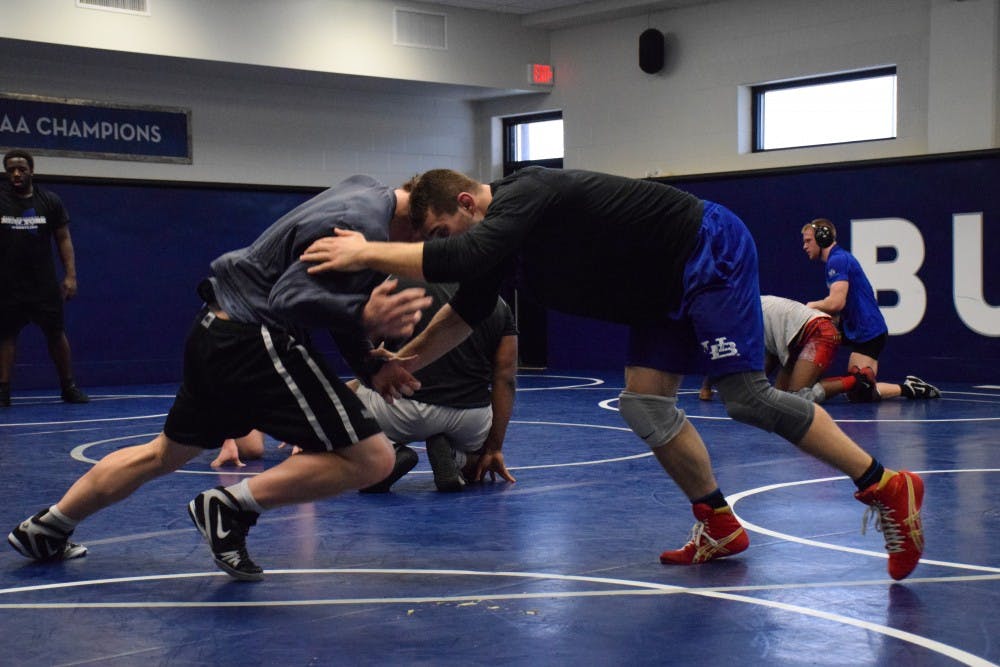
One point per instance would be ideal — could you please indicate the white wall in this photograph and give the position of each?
(962, 109)
(251, 124)
(694, 116)
(300, 92)
(291, 110)
(354, 37)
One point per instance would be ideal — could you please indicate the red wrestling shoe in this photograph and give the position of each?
(716, 535)
(895, 504)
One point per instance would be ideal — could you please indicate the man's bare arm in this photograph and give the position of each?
(835, 300)
(502, 393)
(64, 242)
(445, 331)
(350, 251)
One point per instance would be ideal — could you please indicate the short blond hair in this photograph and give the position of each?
(820, 222)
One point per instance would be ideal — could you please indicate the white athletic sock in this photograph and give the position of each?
(61, 520)
(243, 496)
(819, 394)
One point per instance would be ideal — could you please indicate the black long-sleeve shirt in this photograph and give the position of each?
(597, 245)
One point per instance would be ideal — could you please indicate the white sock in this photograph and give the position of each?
(819, 394)
(243, 496)
(61, 520)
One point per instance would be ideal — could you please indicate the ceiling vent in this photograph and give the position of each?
(140, 7)
(420, 29)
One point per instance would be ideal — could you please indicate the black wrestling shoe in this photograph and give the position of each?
(447, 476)
(406, 459)
(73, 394)
(865, 386)
(41, 541)
(915, 388)
(224, 524)
(5, 397)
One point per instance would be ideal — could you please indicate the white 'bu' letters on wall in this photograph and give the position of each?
(899, 274)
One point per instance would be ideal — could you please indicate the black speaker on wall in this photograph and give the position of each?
(652, 51)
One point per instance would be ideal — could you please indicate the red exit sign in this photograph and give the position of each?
(541, 75)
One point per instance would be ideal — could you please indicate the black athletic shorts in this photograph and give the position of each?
(48, 315)
(870, 348)
(239, 377)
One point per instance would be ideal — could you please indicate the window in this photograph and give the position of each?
(535, 139)
(837, 109)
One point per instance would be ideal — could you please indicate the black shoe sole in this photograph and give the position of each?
(239, 575)
(447, 477)
(74, 551)
(450, 485)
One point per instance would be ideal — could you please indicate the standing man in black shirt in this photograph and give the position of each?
(32, 218)
(679, 271)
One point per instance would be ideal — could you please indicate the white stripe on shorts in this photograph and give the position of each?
(341, 410)
(297, 393)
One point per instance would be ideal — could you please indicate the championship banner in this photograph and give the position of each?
(85, 128)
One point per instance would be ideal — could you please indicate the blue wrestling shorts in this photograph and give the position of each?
(718, 328)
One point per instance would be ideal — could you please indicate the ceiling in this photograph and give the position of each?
(563, 13)
(513, 6)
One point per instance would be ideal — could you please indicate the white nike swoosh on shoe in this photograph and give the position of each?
(218, 525)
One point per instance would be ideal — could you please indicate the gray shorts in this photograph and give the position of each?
(412, 421)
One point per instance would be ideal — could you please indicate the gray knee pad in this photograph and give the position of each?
(655, 419)
(751, 399)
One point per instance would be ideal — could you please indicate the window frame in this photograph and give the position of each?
(510, 123)
(757, 110)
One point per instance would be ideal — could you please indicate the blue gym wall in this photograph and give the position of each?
(775, 205)
(142, 248)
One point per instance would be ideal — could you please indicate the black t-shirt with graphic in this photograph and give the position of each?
(27, 266)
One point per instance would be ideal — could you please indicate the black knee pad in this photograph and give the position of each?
(751, 399)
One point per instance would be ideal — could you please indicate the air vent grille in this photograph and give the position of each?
(140, 7)
(420, 29)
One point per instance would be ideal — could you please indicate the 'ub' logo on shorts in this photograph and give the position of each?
(720, 349)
